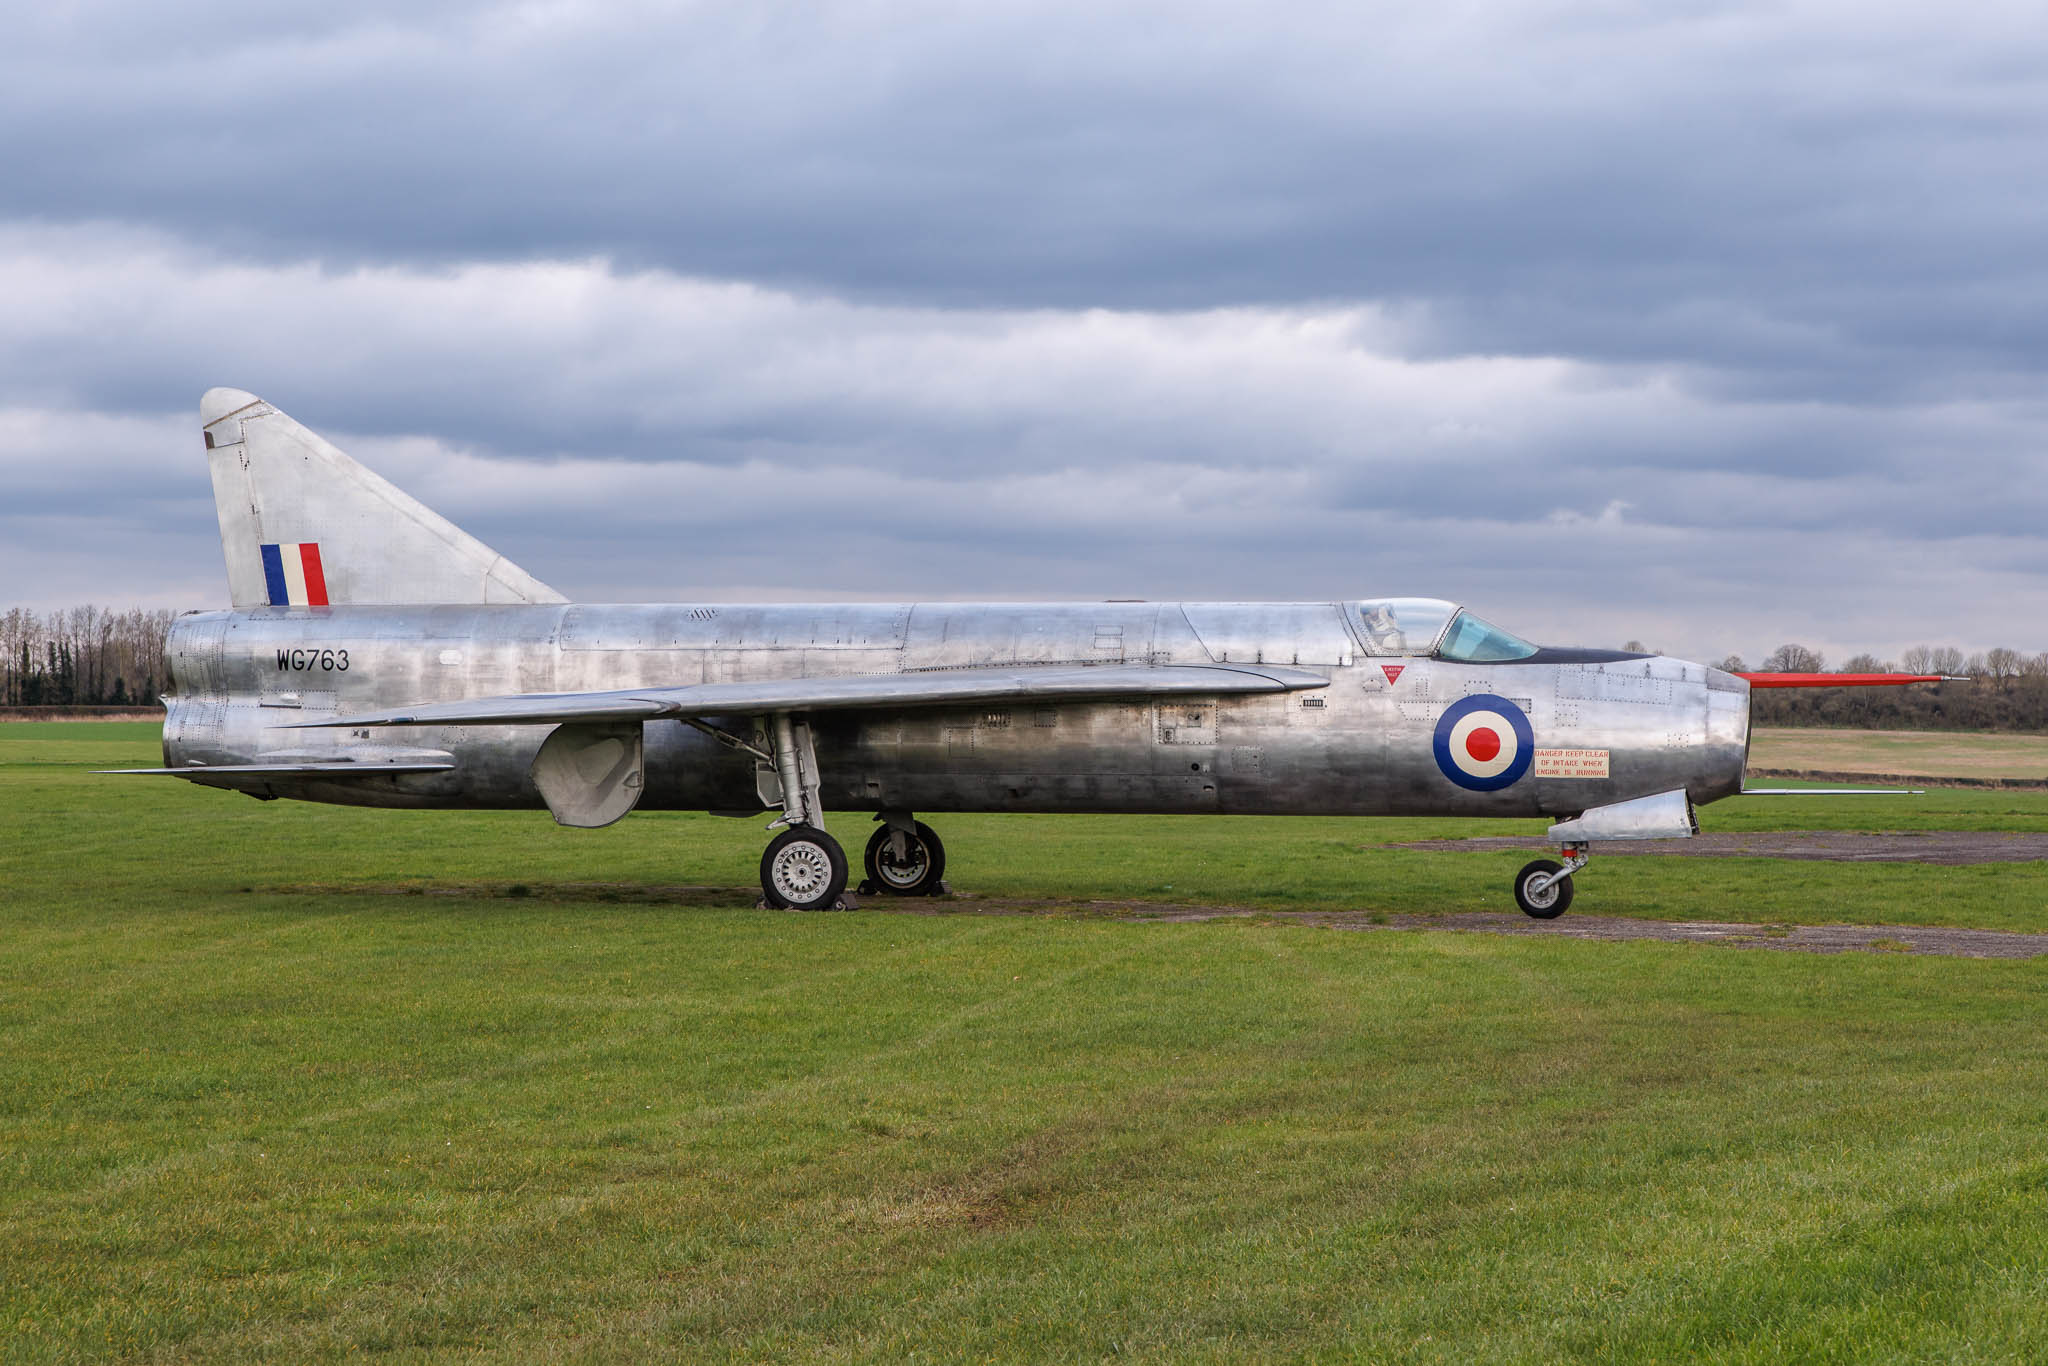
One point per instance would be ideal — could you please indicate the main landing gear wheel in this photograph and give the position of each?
(917, 872)
(803, 869)
(1540, 892)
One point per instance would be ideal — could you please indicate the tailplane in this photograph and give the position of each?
(303, 525)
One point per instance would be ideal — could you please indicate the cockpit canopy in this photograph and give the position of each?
(1430, 626)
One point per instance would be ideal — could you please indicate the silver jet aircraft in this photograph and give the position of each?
(377, 655)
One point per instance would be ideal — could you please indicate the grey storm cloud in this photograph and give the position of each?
(1827, 195)
(1710, 324)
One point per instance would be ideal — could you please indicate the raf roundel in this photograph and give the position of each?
(1483, 743)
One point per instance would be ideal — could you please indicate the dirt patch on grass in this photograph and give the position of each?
(1950, 848)
(1954, 943)
(1919, 939)
(599, 893)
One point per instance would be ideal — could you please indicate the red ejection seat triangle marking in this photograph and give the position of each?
(1393, 671)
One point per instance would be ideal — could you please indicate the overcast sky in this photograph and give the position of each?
(1710, 325)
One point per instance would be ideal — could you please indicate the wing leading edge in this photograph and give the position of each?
(858, 692)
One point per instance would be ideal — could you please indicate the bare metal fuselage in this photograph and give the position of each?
(1362, 746)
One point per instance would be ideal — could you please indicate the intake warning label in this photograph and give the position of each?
(1571, 763)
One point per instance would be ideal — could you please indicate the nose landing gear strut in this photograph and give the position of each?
(1543, 889)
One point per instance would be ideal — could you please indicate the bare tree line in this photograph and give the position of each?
(2007, 690)
(1995, 665)
(83, 656)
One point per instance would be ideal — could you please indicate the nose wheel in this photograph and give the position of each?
(1543, 889)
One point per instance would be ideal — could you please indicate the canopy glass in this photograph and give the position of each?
(1431, 626)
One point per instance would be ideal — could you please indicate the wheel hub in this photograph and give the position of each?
(906, 871)
(800, 870)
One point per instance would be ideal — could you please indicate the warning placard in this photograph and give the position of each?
(1571, 763)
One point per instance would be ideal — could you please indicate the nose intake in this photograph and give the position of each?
(1727, 755)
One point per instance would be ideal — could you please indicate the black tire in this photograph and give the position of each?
(1554, 899)
(803, 869)
(920, 876)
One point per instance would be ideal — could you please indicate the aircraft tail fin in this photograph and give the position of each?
(304, 525)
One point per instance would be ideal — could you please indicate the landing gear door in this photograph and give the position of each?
(591, 773)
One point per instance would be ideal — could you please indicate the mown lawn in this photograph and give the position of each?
(281, 1082)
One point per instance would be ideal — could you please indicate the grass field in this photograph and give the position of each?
(1928, 753)
(282, 1081)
